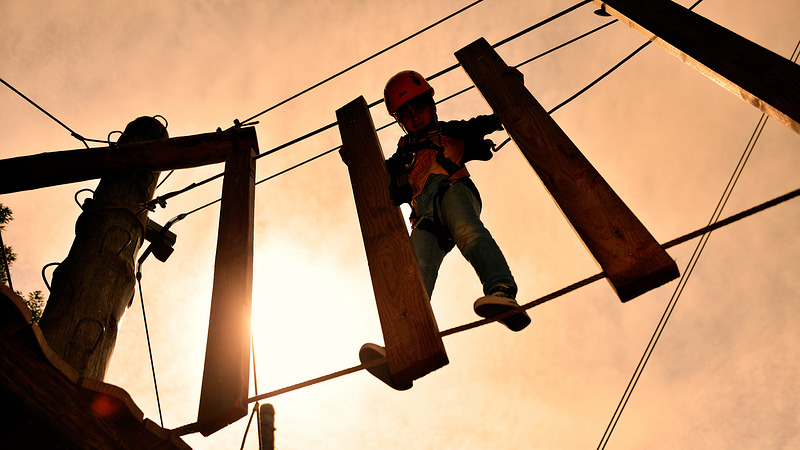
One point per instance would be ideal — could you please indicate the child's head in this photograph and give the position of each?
(409, 99)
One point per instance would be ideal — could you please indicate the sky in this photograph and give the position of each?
(667, 139)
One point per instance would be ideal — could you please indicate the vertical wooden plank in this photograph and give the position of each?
(413, 345)
(630, 257)
(226, 372)
(758, 76)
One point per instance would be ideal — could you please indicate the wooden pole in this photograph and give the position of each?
(226, 374)
(630, 257)
(94, 285)
(53, 168)
(758, 76)
(266, 427)
(413, 345)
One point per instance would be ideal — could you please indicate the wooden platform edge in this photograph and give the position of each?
(53, 404)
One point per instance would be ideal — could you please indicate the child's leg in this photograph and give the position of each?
(429, 256)
(460, 211)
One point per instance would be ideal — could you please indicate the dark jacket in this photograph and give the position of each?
(441, 150)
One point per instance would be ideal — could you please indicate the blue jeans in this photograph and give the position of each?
(459, 211)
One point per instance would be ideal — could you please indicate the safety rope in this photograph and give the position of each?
(191, 428)
(686, 274)
(149, 347)
(72, 133)
(160, 199)
(402, 41)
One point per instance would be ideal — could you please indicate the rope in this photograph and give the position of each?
(377, 102)
(365, 60)
(247, 428)
(149, 348)
(72, 133)
(190, 428)
(685, 277)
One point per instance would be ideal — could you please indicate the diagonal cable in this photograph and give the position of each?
(402, 41)
(686, 275)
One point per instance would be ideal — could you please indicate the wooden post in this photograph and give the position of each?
(630, 257)
(266, 427)
(94, 285)
(226, 374)
(413, 345)
(758, 76)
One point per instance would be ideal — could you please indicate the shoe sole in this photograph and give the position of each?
(371, 352)
(491, 306)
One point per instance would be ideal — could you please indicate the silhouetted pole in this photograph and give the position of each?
(94, 285)
(631, 258)
(413, 344)
(758, 76)
(266, 427)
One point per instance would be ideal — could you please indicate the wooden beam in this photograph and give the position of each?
(758, 76)
(413, 345)
(51, 169)
(630, 257)
(226, 374)
(45, 404)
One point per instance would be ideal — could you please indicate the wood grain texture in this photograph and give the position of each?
(628, 254)
(758, 76)
(45, 404)
(223, 396)
(93, 286)
(413, 345)
(69, 166)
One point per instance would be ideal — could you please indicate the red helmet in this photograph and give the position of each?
(403, 87)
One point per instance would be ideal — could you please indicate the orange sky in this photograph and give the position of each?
(724, 374)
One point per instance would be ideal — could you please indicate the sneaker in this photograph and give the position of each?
(499, 302)
(371, 352)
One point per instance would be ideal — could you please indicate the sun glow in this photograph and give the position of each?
(306, 319)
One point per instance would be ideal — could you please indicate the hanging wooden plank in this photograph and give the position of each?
(628, 254)
(758, 76)
(51, 169)
(223, 395)
(413, 345)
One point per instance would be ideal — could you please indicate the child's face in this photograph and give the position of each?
(416, 114)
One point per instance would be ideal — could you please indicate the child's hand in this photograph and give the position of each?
(344, 153)
(513, 71)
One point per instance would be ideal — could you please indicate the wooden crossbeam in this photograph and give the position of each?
(413, 345)
(226, 373)
(758, 76)
(628, 254)
(51, 169)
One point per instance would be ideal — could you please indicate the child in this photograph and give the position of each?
(428, 172)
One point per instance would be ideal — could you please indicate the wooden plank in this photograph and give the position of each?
(42, 404)
(69, 166)
(223, 396)
(758, 76)
(630, 257)
(413, 345)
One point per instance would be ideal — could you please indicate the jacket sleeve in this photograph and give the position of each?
(399, 189)
(473, 131)
(475, 128)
